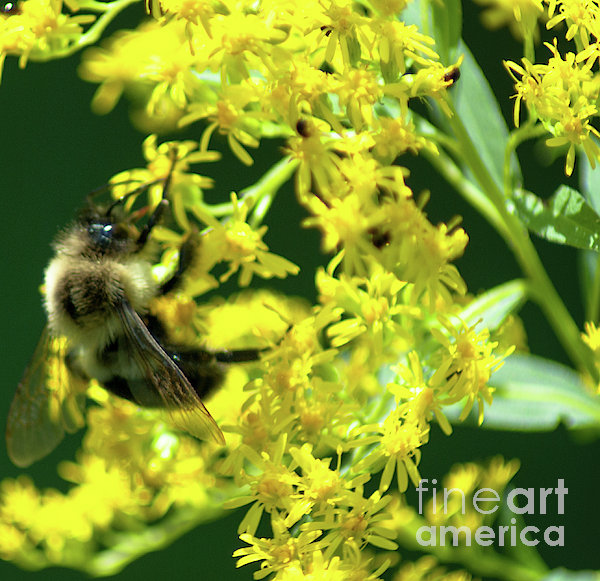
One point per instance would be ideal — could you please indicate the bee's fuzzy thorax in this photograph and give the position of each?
(83, 289)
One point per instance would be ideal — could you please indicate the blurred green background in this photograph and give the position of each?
(54, 151)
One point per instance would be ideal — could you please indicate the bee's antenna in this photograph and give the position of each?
(128, 195)
(89, 198)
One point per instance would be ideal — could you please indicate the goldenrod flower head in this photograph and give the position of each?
(171, 159)
(241, 245)
(399, 438)
(579, 16)
(279, 554)
(398, 43)
(38, 28)
(592, 336)
(469, 361)
(468, 479)
(562, 94)
(195, 12)
(397, 136)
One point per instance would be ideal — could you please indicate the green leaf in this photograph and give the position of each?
(442, 20)
(589, 179)
(447, 28)
(477, 108)
(493, 306)
(536, 394)
(565, 218)
(474, 100)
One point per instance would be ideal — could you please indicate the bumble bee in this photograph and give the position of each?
(97, 290)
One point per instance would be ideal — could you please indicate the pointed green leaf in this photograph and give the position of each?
(589, 179)
(474, 101)
(565, 218)
(447, 28)
(479, 111)
(493, 306)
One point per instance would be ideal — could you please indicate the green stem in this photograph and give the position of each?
(529, 130)
(262, 193)
(454, 175)
(517, 238)
(266, 188)
(529, 47)
(128, 546)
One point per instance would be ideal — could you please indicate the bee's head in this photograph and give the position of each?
(106, 236)
(98, 233)
(110, 230)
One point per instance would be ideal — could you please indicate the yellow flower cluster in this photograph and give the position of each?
(562, 93)
(252, 70)
(469, 478)
(38, 28)
(346, 388)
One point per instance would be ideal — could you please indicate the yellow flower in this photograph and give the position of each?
(231, 115)
(397, 440)
(38, 29)
(237, 243)
(468, 362)
(398, 42)
(579, 16)
(120, 62)
(170, 159)
(195, 12)
(563, 95)
(355, 520)
(321, 488)
(20, 502)
(276, 554)
(12, 542)
(271, 489)
(341, 27)
(591, 337)
(358, 91)
(397, 136)
(421, 396)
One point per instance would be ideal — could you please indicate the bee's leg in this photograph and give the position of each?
(187, 253)
(239, 355)
(158, 212)
(152, 221)
(156, 328)
(244, 355)
(200, 367)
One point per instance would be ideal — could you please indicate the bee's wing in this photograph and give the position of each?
(184, 407)
(44, 405)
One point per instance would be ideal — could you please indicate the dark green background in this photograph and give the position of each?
(54, 150)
